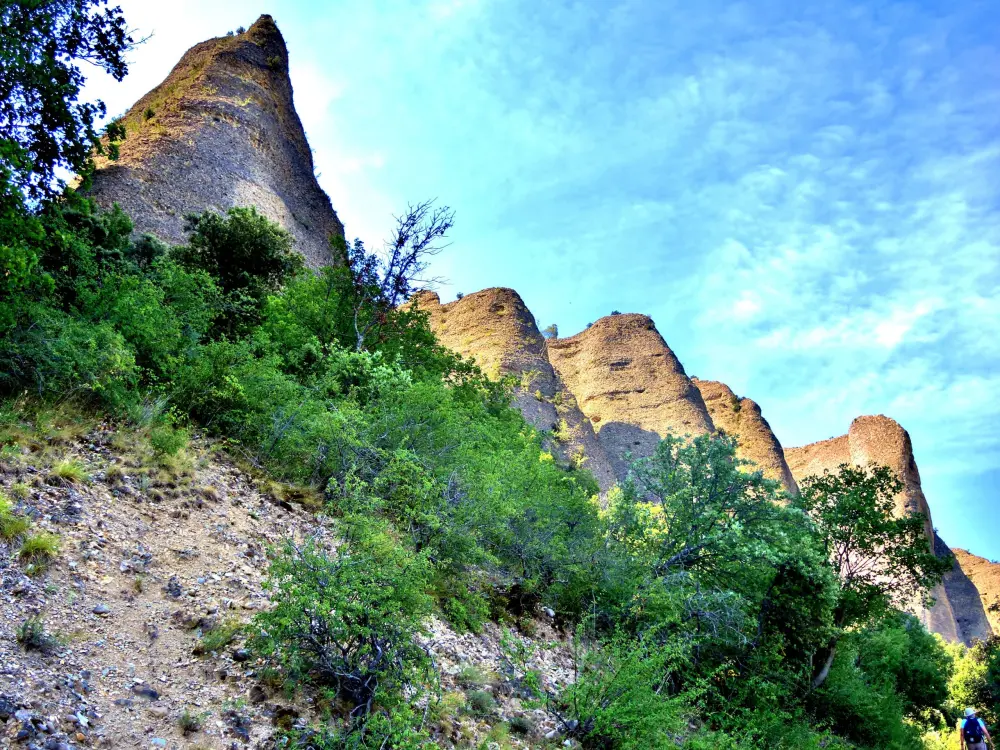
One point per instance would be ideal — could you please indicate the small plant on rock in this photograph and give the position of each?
(32, 636)
(38, 551)
(189, 723)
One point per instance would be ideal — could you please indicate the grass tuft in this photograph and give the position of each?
(71, 470)
(218, 637)
(32, 636)
(11, 525)
(38, 551)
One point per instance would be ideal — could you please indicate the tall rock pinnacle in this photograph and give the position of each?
(221, 131)
(958, 613)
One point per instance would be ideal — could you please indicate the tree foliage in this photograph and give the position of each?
(43, 124)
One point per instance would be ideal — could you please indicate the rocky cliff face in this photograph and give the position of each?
(629, 385)
(741, 418)
(495, 328)
(984, 576)
(221, 131)
(877, 440)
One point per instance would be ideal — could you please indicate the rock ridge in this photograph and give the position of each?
(496, 329)
(221, 131)
(958, 613)
(630, 385)
(742, 418)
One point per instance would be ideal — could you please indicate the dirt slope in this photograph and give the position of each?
(221, 131)
(149, 561)
(741, 418)
(496, 329)
(629, 385)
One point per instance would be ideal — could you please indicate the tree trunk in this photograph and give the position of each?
(823, 673)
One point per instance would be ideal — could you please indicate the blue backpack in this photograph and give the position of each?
(972, 730)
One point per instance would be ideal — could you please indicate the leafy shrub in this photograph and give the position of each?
(167, 441)
(348, 621)
(521, 725)
(481, 703)
(618, 698)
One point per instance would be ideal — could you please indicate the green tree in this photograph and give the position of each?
(248, 255)
(975, 681)
(43, 125)
(882, 560)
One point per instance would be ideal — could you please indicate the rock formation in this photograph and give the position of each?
(741, 418)
(967, 597)
(871, 440)
(494, 328)
(629, 385)
(877, 440)
(221, 131)
(984, 576)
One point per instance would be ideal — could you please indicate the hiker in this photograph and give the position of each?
(973, 732)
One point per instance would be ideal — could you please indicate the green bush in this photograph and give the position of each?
(620, 697)
(348, 621)
(481, 703)
(168, 441)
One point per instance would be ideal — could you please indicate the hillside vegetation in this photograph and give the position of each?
(703, 607)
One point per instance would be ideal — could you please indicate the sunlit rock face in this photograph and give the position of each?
(630, 386)
(221, 131)
(496, 329)
(742, 419)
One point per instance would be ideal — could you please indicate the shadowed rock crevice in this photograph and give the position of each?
(221, 131)
(964, 596)
(984, 575)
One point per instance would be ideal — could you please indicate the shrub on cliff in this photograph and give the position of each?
(346, 622)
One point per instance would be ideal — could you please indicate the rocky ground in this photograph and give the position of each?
(157, 566)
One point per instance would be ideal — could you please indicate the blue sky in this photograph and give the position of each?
(804, 196)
